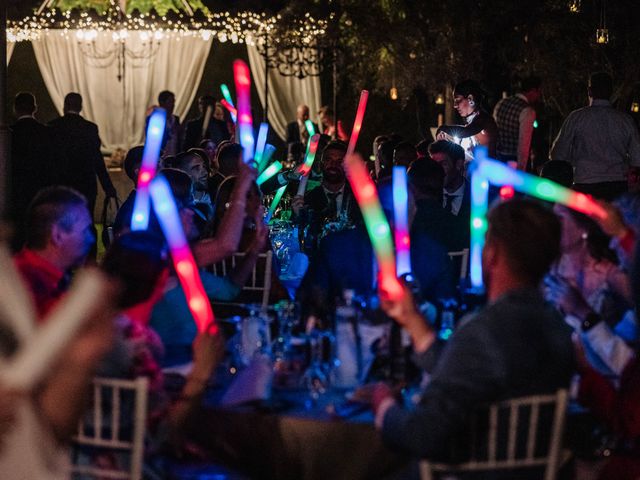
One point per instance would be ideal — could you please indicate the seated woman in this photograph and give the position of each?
(253, 223)
(479, 129)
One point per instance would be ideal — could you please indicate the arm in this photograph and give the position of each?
(525, 134)
(241, 273)
(101, 169)
(225, 243)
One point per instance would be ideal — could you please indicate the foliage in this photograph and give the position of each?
(162, 7)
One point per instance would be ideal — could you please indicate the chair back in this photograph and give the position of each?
(259, 280)
(461, 256)
(516, 434)
(116, 423)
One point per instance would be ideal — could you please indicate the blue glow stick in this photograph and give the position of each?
(401, 221)
(150, 155)
(261, 143)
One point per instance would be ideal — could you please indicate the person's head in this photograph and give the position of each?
(182, 191)
(385, 194)
(426, 179)
(302, 113)
(59, 225)
(600, 86)
(24, 104)
(206, 101)
(219, 112)
(385, 157)
(422, 148)
(72, 103)
(467, 97)
(137, 260)
(451, 157)
(522, 241)
(133, 162)
(222, 203)
(332, 163)
(404, 154)
(582, 235)
(326, 116)
(167, 100)
(229, 157)
(558, 171)
(192, 164)
(210, 148)
(531, 87)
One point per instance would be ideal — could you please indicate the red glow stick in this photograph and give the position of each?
(242, 77)
(357, 123)
(231, 108)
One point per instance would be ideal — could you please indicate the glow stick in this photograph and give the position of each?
(269, 150)
(242, 78)
(262, 141)
(226, 93)
(401, 220)
(205, 122)
(150, 155)
(183, 261)
(308, 124)
(26, 369)
(269, 172)
(357, 123)
(274, 203)
(231, 108)
(487, 171)
(305, 168)
(377, 226)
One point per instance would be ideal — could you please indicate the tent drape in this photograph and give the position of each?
(10, 47)
(285, 93)
(119, 108)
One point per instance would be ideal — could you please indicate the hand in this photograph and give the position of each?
(404, 312)
(297, 204)
(613, 225)
(441, 136)
(208, 351)
(565, 296)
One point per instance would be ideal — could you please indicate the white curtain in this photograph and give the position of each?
(285, 93)
(10, 47)
(69, 63)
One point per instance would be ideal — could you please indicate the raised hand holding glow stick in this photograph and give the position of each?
(185, 266)
(401, 220)
(270, 171)
(242, 78)
(309, 158)
(274, 203)
(377, 226)
(150, 156)
(357, 123)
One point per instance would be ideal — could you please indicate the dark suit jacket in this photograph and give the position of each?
(217, 131)
(345, 261)
(293, 132)
(79, 141)
(449, 230)
(35, 164)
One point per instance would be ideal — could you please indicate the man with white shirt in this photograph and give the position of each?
(456, 197)
(515, 116)
(600, 142)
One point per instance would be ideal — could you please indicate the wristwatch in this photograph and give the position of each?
(590, 321)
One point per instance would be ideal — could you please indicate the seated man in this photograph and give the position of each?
(345, 261)
(193, 165)
(59, 236)
(517, 345)
(331, 202)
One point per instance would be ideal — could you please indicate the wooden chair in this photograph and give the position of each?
(463, 257)
(116, 423)
(525, 446)
(260, 280)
